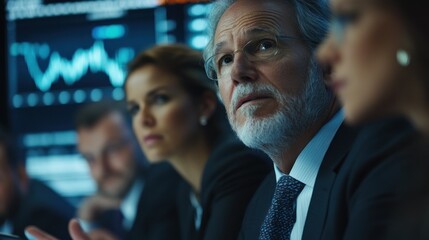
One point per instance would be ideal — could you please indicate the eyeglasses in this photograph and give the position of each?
(256, 50)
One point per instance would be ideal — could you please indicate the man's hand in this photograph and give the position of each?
(34, 233)
(75, 231)
(94, 205)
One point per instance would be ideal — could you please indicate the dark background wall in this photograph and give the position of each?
(3, 69)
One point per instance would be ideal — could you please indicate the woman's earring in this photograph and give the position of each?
(403, 57)
(203, 120)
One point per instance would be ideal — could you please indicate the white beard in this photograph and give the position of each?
(276, 133)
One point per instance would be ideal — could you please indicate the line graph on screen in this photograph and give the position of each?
(94, 59)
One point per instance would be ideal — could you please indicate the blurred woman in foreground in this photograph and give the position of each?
(378, 52)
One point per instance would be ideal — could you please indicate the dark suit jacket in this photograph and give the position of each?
(44, 208)
(261, 201)
(231, 176)
(411, 218)
(358, 200)
(156, 217)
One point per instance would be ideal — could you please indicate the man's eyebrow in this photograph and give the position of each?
(218, 47)
(250, 32)
(258, 30)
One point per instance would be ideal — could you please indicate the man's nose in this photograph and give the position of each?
(242, 69)
(100, 167)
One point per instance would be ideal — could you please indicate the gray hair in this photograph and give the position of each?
(312, 17)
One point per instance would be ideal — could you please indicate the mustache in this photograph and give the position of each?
(244, 90)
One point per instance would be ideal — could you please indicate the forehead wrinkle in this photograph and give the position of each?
(257, 19)
(263, 19)
(255, 22)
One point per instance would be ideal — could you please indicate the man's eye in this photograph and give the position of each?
(114, 148)
(262, 48)
(266, 44)
(225, 59)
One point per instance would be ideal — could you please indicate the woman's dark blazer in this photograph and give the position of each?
(232, 174)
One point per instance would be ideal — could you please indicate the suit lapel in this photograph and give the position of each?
(265, 199)
(332, 161)
(258, 208)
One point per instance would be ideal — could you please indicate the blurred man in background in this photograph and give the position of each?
(133, 201)
(25, 201)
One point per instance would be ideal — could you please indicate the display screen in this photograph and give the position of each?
(62, 54)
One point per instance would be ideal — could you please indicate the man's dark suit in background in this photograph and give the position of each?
(156, 216)
(40, 206)
(134, 200)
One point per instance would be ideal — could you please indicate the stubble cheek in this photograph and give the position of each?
(226, 94)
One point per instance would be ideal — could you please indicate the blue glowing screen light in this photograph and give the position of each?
(95, 59)
(113, 31)
(63, 55)
(70, 52)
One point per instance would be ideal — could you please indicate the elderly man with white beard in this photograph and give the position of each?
(329, 181)
(261, 56)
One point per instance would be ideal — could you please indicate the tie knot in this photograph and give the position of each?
(288, 187)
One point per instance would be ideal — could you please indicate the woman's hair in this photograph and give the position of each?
(187, 64)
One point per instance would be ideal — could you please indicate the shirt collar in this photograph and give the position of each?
(308, 162)
(130, 203)
(198, 209)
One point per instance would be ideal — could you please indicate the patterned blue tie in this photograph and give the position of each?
(282, 214)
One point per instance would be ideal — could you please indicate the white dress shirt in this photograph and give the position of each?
(129, 206)
(198, 210)
(307, 166)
